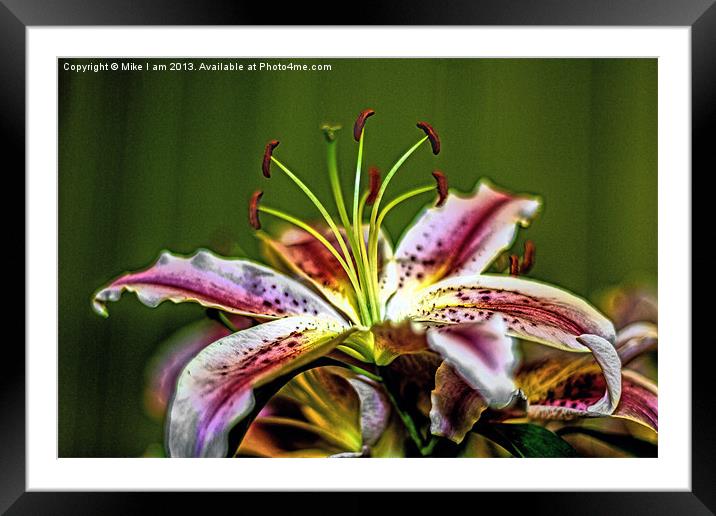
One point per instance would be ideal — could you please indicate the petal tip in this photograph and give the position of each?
(100, 308)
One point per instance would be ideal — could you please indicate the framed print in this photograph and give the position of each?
(431, 246)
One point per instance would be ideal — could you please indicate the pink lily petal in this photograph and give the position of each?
(639, 400)
(531, 310)
(572, 396)
(482, 355)
(558, 388)
(608, 360)
(631, 304)
(374, 409)
(237, 286)
(461, 238)
(456, 406)
(215, 390)
(299, 252)
(635, 339)
(176, 352)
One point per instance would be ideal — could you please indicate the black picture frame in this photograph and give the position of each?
(17, 15)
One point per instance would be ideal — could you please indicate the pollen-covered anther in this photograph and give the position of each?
(373, 185)
(432, 136)
(442, 187)
(514, 265)
(254, 209)
(528, 259)
(266, 164)
(360, 123)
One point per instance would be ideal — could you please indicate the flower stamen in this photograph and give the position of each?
(528, 259)
(374, 185)
(360, 122)
(361, 250)
(266, 163)
(514, 265)
(402, 198)
(348, 264)
(432, 135)
(442, 187)
(254, 209)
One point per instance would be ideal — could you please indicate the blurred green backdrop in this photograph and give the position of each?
(167, 160)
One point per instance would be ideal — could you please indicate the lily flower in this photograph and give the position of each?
(325, 412)
(350, 295)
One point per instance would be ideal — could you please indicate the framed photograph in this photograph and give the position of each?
(434, 243)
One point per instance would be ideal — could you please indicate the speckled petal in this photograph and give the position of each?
(456, 406)
(573, 396)
(531, 310)
(175, 353)
(564, 389)
(482, 355)
(215, 390)
(236, 286)
(460, 238)
(391, 340)
(639, 400)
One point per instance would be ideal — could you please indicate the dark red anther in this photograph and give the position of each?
(528, 259)
(442, 187)
(266, 164)
(514, 265)
(432, 136)
(254, 209)
(374, 185)
(360, 123)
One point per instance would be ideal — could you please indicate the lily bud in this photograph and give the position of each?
(442, 187)
(374, 175)
(432, 136)
(360, 123)
(254, 210)
(266, 164)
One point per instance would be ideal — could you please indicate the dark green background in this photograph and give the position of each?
(167, 160)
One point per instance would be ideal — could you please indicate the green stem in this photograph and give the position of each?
(358, 238)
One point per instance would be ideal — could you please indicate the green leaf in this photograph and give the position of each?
(526, 440)
(627, 443)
